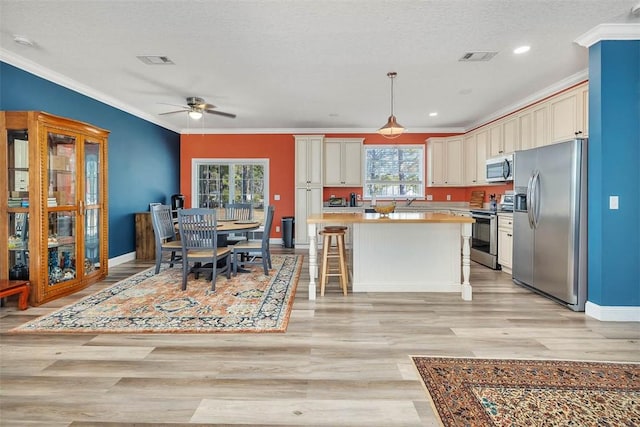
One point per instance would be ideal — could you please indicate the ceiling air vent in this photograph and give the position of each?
(155, 60)
(477, 56)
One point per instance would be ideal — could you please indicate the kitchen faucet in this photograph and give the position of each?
(409, 201)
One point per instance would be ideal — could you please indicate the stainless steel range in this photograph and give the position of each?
(484, 238)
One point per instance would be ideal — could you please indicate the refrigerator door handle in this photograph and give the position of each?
(535, 192)
(530, 202)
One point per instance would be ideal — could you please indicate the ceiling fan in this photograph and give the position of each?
(196, 106)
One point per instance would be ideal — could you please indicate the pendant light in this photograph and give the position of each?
(392, 129)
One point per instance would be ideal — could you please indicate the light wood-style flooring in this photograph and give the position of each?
(344, 360)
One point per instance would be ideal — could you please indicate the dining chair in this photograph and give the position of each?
(198, 231)
(239, 212)
(165, 236)
(255, 251)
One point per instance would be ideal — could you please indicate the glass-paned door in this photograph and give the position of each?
(92, 206)
(62, 207)
(218, 182)
(17, 180)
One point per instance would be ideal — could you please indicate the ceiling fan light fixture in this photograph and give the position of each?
(195, 115)
(392, 129)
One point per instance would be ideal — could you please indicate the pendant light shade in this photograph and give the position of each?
(392, 129)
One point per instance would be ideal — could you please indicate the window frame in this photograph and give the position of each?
(197, 162)
(366, 194)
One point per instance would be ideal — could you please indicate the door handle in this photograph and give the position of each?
(530, 201)
(535, 191)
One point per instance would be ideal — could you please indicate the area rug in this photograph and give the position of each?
(489, 392)
(149, 303)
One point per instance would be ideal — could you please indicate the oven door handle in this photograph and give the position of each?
(482, 216)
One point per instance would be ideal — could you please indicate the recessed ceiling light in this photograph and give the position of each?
(521, 49)
(22, 40)
(433, 114)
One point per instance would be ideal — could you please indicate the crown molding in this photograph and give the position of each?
(559, 86)
(271, 131)
(609, 32)
(64, 81)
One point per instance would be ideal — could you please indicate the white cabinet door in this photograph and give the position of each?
(563, 115)
(481, 156)
(343, 162)
(505, 242)
(583, 110)
(510, 135)
(470, 160)
(495, 140)
(454, 173)
(525, 122)
(332, 164)
(308, 202)
(540, 126)
(436, 150)
(308, 166)
(352, 164)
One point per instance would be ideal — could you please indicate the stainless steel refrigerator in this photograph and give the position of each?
(550, 221)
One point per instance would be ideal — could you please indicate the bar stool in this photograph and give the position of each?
(336, 252)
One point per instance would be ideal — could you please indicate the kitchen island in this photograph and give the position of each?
(404, 252)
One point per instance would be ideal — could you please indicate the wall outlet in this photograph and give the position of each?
(276, 197)
(614, 202)
(429, 196)
(448, 196)
(333, 195)
(277, 228)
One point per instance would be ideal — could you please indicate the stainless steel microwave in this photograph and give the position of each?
(499, 169)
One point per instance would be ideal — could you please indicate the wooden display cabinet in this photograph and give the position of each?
(53, 207)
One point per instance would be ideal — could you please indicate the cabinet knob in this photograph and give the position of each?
(510, 235)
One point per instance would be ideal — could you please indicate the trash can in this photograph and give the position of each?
(287, 231)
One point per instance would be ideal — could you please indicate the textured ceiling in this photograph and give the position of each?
(306, 65)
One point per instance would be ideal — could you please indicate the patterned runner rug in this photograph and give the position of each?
(489, 392)
(149, 303)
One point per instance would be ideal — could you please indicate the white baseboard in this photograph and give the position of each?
(131, 256)
(612, 314)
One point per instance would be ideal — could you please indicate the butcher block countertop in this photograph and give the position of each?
(396, 217)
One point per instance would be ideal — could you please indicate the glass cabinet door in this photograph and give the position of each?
(62, 208)
(17, 181)
(92, 204)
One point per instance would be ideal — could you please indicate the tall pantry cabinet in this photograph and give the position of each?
(308, 172)
(53, 203)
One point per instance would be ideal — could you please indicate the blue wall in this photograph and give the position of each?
(144, 158)
(614, 164)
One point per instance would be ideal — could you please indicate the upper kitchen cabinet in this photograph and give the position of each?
(475, 157)
(308, 186)
(534, 126)
(504, 136)
(495, 139)
(510, 135)
(309, 160)
(343, 162)
(53, 207)
(445, 161)
(568, 114)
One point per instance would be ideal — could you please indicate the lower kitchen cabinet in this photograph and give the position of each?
(505, 242)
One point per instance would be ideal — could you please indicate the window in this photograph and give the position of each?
(394, 171)
(217, 182)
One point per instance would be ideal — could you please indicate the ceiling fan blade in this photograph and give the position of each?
(221, 113)
(207, 106)
(173, 105)
(173, 112)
